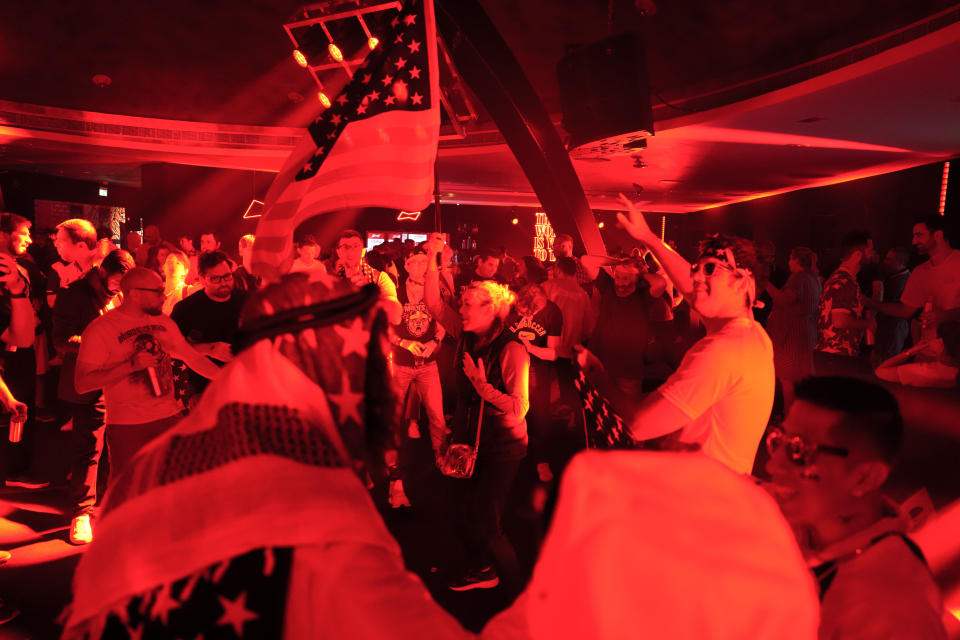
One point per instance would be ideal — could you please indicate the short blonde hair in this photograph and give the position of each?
(499, 295)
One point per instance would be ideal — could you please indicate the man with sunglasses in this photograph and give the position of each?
(720, 397)
(827, 466)
(127, 352)
(209, 318)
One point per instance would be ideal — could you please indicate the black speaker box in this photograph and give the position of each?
(605, 89)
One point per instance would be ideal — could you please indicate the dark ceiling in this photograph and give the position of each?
(751, 97)
(220, 61)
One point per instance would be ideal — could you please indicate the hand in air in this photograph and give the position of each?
(634, 223)
(434, 243)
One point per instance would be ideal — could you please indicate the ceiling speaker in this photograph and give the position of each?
(605, 94)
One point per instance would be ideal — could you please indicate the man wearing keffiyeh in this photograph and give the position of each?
(252, 513)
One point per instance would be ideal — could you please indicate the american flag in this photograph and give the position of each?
(604, 427)
(375, 146)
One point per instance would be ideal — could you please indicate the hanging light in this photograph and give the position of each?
(300, 58)
(324, 100)
(372, 42)
(335, 52)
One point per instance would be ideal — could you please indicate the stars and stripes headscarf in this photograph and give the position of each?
(196, 534)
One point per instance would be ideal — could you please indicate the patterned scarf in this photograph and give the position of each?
(204, 518)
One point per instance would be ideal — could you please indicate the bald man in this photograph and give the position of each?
(126, 352)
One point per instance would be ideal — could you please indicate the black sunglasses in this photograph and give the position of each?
(708, 268)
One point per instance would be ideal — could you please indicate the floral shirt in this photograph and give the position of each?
(839, 292)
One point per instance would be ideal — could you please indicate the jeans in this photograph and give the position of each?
(87, 475)
(426, 380)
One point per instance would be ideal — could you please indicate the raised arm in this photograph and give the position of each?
(447, 317)
(678, 269)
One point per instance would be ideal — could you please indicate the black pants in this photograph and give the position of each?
(19, 370)
(89, 469)
(479, 503)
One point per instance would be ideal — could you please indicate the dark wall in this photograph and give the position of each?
(184, 200)
(21, 189)
(886, 206)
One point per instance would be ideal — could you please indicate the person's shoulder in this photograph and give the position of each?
(953, 258)
(104, 321)
(743, 334)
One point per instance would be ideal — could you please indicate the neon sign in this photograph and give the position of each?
(543, 236)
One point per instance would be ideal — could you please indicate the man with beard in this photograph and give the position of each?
(126, 352)
(563, 248)
(828, 465)
(720, 397)
(622, 333)
(76, 307)
(933, 289)
(209, 318)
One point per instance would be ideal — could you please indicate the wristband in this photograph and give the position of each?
(22, 294)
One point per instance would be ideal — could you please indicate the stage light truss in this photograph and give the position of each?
(333, 37)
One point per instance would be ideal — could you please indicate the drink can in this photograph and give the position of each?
(16, 427)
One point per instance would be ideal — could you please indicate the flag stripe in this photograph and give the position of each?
(374, 147)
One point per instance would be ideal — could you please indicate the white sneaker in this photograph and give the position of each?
(80, 530)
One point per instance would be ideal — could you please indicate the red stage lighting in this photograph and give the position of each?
(300, 58)
(324, 100)
(335, 52)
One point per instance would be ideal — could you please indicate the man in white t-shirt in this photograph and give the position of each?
(720, 398)
(933, 289)
(127, 352)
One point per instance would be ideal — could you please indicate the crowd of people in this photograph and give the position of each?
(178, 368)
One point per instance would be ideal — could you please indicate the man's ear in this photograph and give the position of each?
(869, 476)
(938, 236)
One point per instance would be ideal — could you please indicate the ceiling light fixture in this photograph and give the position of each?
(943, 187)
(335, 52)
(300, 58)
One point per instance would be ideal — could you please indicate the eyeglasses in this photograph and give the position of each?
(159, 291)
(708, 268)
(798, 450)
(220, 279)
